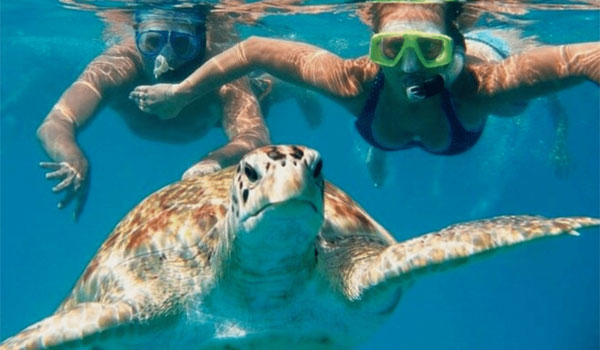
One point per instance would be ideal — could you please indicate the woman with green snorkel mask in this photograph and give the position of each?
(422, 84)
(428, 60)
(166, 46)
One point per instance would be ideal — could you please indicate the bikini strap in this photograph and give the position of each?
(365, 118)
(461, 139)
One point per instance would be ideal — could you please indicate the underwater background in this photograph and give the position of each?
(543, 295)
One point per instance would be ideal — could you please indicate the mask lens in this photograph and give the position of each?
(150, 43)
(184, 45)
(430, 48)
(391, 46)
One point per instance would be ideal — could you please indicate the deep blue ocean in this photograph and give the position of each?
(543, 295)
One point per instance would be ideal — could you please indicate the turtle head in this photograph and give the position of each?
(276, 202)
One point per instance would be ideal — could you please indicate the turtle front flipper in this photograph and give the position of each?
(455, 244)
(73, 327)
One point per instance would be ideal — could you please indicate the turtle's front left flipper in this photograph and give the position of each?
(459, 242)
(71, 327)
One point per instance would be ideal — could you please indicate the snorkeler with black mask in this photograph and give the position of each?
(167, 45)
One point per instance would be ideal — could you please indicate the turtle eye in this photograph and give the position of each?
(250, 173)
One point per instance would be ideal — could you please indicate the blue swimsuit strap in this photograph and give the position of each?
(460, 138)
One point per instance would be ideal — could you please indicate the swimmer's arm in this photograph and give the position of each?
(538, 71)
(81, 100)
(242, 122)
(292, 61)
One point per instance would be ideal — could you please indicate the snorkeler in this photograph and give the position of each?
(167, 47)
(422, 85)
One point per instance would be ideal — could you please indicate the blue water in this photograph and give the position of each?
(543, 295)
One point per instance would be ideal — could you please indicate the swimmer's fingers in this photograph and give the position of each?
(137, 96)
(152, 93)
(142, 88)
(82, 193)
(73, 182)
(201, 168)
(140, 92)
(145, 107)
(68, 199)
(78, 190)
(64, 183)
(62, 172)
(50, 165)
(141, 103)
(78, 181)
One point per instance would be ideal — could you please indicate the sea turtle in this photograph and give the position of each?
(262, 255)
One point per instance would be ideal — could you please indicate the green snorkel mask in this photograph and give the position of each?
(432, 49)
(420, 1)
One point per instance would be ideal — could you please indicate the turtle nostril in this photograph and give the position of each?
(250, 173)
(318, 168)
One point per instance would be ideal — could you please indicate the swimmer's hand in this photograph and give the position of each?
(204, 167)
(72, 180)
(158, 99)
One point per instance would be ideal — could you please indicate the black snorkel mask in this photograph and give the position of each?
(185, 46)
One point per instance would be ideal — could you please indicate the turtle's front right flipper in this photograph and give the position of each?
(458, 242)
(72, 327)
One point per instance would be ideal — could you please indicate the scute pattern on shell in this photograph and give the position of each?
(185, 214)
(169, 255)
(343, 216)
(150, 238)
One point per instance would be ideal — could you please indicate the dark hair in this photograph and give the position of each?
(452, 11)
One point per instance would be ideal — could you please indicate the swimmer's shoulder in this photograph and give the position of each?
(364, 71)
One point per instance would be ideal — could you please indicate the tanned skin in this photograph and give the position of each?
(109, 79)
(482, 88)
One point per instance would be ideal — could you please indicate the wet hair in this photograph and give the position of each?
(195, 17)
(377, 14)
(452, 12)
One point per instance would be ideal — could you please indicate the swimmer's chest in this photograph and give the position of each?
(193, 122)
(426, 122)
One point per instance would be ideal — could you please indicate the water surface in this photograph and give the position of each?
(540, 296)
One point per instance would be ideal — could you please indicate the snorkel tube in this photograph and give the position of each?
(450, 73)
(161, 66)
